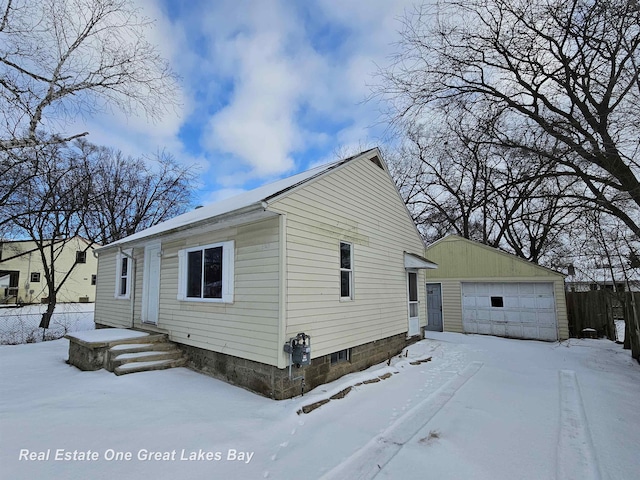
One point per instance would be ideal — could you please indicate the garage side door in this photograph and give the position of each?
(516, 310)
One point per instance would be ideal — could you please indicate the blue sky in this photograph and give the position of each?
(268, 87)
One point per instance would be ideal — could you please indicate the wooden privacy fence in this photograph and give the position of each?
(598, 309)
(595, 309)
(631, 305)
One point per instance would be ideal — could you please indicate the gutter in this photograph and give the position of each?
(253, 208)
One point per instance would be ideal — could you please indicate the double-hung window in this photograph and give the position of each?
(206, 273)
(346, 271)
(124, 265)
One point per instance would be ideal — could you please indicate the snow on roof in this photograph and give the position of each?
(244, 200)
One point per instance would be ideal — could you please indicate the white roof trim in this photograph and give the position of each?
(413, 261)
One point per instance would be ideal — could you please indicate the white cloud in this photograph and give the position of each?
(258, 127)
(264, 82)
(285, 92)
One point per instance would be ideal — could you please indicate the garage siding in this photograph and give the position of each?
(464, 261)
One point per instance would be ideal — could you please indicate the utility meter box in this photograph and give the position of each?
(301, 354)
(299, 347)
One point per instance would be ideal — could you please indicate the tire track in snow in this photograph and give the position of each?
(576, 455)
(367, 462)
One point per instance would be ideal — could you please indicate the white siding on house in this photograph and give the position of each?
(357, 204)
(246, 328)
(111, 311)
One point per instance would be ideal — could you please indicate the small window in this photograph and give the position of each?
(93, 279)
(81, 256)
(35, 277)
(123, 274)
(341, 356)
(206, 273)
(413, 294)
(497, 302)
(346, 271)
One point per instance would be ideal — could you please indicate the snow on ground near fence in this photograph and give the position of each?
(620, 329)
(21, 324)
(482, 408)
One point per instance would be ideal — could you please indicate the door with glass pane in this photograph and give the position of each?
(414, 315)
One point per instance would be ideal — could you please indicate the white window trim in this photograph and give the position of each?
(228, 260)
(124, 254)
(417, 300)
(350, 270)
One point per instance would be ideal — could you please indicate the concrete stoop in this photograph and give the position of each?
(154, 352)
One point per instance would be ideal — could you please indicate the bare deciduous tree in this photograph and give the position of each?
(131, 194)
(92, 193)
(561, 78)
(63, 58)
(53, 212)
(455, 181)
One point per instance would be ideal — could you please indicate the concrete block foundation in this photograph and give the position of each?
(272, 382)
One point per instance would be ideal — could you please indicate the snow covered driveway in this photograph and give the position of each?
(483, 407)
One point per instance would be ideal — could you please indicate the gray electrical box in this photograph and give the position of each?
(299, 347)
(301, 354)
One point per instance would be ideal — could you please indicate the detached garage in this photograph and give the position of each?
(478, 289)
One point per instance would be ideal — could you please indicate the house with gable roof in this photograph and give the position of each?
(331, 253)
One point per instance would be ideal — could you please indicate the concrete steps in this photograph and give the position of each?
(143, 354)
(139, 366)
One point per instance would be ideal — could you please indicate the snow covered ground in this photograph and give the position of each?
(482, 408)
(21, 324)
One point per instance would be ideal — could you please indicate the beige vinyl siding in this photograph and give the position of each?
(561, 310)
(246, 328)
(357, 204)
(451, 304)
(460, 260)
(452, 301)
(111, 311)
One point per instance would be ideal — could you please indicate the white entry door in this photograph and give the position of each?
(151, 284)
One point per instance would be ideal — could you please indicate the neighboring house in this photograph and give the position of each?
(332, 253)
(478, 289)
(22, 276)
(603, 277)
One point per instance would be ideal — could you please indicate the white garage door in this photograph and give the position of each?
(516, 310)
